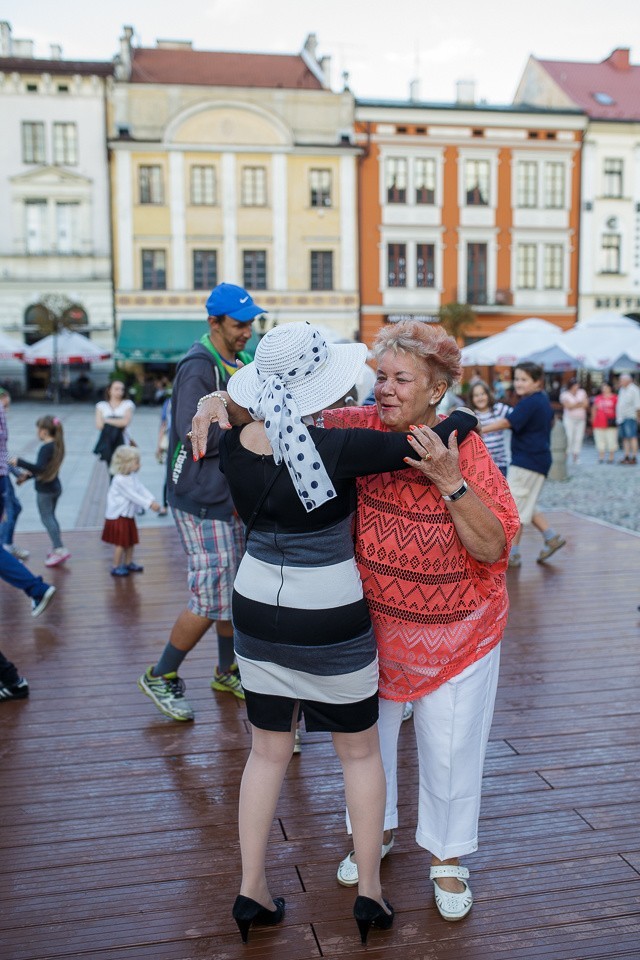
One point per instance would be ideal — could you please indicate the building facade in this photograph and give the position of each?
(229, 167)
(54, 190)
(609, 93)
(471, 204)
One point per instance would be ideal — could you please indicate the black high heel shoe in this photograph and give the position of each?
(369, 913)
(247, 911)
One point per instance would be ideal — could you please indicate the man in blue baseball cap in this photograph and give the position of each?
(211, 532)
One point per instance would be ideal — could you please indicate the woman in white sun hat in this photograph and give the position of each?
(302, 630)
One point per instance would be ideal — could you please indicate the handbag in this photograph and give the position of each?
(611, 422)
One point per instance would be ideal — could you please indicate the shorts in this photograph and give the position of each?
(525, 486)
(214, 549)
(628, 429)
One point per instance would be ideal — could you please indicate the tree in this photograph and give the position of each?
(456, 318)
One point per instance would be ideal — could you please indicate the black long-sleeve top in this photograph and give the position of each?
(45, 454)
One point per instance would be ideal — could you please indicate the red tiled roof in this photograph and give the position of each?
(615, 77)
(222, 69)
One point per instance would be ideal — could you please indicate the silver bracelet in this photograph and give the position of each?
(460, 492)
(207, 396)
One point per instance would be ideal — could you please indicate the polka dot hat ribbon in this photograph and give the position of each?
(287, 433)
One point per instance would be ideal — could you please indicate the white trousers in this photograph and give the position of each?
(452, 731)
(575, 434)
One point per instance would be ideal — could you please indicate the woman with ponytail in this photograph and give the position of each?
(48, 487)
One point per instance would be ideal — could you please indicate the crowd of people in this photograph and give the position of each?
(352, 560)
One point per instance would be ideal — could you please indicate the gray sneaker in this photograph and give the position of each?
(167, 692)
(40, 604)
(550, 548)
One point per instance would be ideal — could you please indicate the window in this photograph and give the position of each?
(205, 269)
(425, 178)
(320, 188)
(67, 227)
(613, 177)
(477, 273)
(35, 225)
(526, 266)
(254, 187)
(553, 257)
(154, 270)
(397, 265)
(203, 187)
(476, 182)
(396, 180)
(65, 143)
(322, 270)
(33, 150)
(254, 269)
(425, 264)
(610, 257)
(527, 184)
(151, 185)
(554, 186)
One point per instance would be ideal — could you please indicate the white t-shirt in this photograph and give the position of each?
(121, 410)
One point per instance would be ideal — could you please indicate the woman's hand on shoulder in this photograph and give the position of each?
(211, 410)
(439, 463)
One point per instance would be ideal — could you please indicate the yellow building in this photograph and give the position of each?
(229, 167)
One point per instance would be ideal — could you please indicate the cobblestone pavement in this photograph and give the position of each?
(609, 493)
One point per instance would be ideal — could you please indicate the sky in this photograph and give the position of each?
(383, 46)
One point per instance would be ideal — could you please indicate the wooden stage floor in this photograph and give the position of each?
(118, 826)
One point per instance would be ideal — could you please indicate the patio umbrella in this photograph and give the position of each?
(604, 341)
(10, 349)
(515, 343)
(556, 358)
(64, 348)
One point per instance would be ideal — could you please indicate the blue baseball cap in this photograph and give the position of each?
(229, 300)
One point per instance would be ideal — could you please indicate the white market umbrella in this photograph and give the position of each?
(515, 343)
(66, 347)
(556, 359)
(10, 349)
(603, 341)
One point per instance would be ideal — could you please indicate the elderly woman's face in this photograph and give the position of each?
(405, 391)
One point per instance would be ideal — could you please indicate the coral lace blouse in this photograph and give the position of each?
(435, 609)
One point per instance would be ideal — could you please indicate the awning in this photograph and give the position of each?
(161, 341)
(157, 341)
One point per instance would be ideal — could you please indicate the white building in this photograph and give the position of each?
(609, 93)
(54, 190)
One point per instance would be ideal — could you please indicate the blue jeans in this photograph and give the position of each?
(12, 508)
(47, 510)
(15, 573)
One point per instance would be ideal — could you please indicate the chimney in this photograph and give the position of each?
(22, 48)
(414, 90)
(56, 51)
(325, 66)
(123, 61)
(311, 45)
(465, 91)
(5, 39)
(619, 59)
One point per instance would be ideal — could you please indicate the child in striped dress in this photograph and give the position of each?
(126, 497)
(486, 408)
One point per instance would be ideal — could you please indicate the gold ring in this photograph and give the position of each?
(189, 435)
(427, 456)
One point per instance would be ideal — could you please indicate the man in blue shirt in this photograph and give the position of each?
(530, 424)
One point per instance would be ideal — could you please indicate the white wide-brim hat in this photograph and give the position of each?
(314, 372)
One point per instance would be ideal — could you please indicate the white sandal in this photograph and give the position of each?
(348, 870)
(452, 906)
